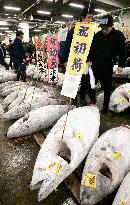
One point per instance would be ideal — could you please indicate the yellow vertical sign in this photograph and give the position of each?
(82, 39)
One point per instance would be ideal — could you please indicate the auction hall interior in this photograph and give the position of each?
(65, 102)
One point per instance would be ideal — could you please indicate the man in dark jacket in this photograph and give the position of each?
(86, 16)
(18, 56)
(2, 59)
(105, 46)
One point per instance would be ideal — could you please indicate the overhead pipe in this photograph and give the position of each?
(112, 12)
(34, 4)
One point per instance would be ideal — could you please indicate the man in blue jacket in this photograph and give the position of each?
(18, 56)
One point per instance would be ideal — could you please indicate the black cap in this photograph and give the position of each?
(19, 33)
(106, 21)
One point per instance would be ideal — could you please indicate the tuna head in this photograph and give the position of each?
(96, 185)
(46, 179)
(119, 103)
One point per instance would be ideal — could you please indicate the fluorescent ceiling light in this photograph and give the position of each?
(9, 17)
(6, 14)
(43, 26)
(8, 31)
(44, 12)
(3, 23)
(38, 30)
(67, 16)
(60, 22)
(77, 5)
(49, 0)
(12, 8)
(4, 28)
(100, 10)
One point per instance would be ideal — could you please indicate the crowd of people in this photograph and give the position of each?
(107, 45)
(20, 54)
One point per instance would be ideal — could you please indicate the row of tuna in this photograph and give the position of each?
(22, 97)
(66, 146)
(6, 75)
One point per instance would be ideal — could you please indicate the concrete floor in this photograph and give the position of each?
(17, 162)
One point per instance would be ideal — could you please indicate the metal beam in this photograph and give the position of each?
(112, 2)
(37, 2)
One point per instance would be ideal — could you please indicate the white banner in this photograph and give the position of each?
(71, 85)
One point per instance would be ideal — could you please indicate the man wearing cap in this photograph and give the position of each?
(17, 53)
(106, 45)
(86, 16)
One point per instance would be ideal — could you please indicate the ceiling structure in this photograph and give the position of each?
(31, 11)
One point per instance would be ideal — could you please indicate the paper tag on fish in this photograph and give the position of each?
(55, 167)
(117, 155)
(123, 203)
(79, 136)
(121, 100)
(90, 180)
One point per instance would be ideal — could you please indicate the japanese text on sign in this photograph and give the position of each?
(39, 44)
(80, 47)
(52, 47)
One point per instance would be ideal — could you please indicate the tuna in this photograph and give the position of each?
(8, 90)
(8, 83)
(76, 131)
(28, 105)
(36, 120)
(106, 165)
(69, 201)
(123, 194)
(27, 95)
(9, 99)
(7, 76)
(125, 73)
(120, 98)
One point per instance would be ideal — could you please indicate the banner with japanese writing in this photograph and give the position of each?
(76, 66)
(52, 49)
(80, 47)
(39, 44)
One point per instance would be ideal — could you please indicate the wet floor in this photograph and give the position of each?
(17, 162)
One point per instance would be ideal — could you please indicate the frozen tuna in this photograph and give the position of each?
(106, 165)
(120, 98)
(8, 90)
(8, 83)
(36, 120)
(7, 76)
(28, 105)
(123, 194)
(77, 131)
(125, 73)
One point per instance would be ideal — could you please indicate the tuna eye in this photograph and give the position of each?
(105, 171)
